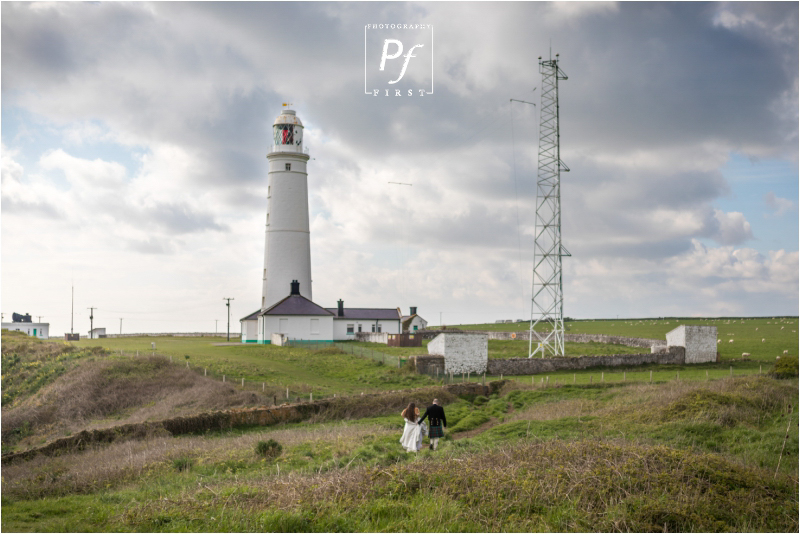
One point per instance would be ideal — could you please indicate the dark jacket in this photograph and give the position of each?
(436, 415)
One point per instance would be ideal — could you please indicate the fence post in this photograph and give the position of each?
(311, 397)
(603, 376)
(263, 387)
(223, 378)
(651, 377)
(706, 375)
(573, 378)
(242, 383)
(274, 400)
(759, 369)
(205, 371)
(590, 379)
(731, 370)
(484, 378)
(287, 392)
(170, 358)
(677, 376)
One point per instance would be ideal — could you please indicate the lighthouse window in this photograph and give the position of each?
(284, 134)
(288, 166)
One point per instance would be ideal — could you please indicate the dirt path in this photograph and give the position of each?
(475, 431)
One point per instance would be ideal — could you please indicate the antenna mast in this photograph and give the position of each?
(547, 295)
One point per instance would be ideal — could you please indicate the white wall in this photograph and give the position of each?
(419, 322)
(297, 327)
(340, 327)
(463, 353)
(42, 329)
(249, 330)
(700, 342)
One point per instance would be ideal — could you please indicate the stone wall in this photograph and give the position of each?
(586, 338)
(463, 353)
(533, 366)
(428, 364)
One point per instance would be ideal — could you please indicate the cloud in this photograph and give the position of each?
(146, 125)
(778, 205)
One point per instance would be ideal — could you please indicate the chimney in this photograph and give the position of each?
(295, 288)
(413, 310)
(341, 308)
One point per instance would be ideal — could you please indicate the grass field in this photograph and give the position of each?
(598, 450)
(663, 457)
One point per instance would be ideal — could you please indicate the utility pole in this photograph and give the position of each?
(228, 304)
(40, 318)
(91, 323)
(216, 321)
(120, 326)
(72, 311)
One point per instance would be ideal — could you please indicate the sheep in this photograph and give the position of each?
(763, 339)
(745, 355)
(730, 341)
(781, 328)
(786, 352)
(719, 341)
(756, 329)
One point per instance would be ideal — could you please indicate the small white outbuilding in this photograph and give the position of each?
(699, 342)
(463, 353)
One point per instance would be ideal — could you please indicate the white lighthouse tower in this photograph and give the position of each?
(287, 251)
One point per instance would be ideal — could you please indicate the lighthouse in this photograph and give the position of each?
(287, 313)
(287, 248)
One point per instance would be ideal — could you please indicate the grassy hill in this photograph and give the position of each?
(621, 454)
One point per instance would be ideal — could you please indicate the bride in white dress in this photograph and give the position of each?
(412, 432)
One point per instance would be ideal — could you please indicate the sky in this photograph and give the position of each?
(134, 142)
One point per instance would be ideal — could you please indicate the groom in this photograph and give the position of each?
(437, 420)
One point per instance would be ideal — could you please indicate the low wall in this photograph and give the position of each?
(373, 337)
(533, 366)
(429, 364)
(585, 338)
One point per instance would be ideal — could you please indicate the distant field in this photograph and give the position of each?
(779, 334)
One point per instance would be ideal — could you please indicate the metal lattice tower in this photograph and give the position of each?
(547, 296)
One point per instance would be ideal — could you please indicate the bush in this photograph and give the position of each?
(786, 367)
(182, 463)
(268, 449)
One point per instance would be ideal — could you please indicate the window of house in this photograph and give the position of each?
(415, 328)
(288, 166)
(373, 328)
(315, 326)
(359, 328)
(350, 329)
(379, 327)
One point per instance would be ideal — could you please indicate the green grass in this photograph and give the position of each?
(323, 372)
(613, 457)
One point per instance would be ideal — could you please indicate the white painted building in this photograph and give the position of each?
(463, 353)
(297, 318)
(97, 333)
(348, 321)
(699, 342)
(413, 322)
(25, 325)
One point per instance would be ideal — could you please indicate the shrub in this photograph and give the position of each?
(182, 463)
(786, 367)
(269, 448)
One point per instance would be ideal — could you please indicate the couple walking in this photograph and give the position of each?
(415, 428)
